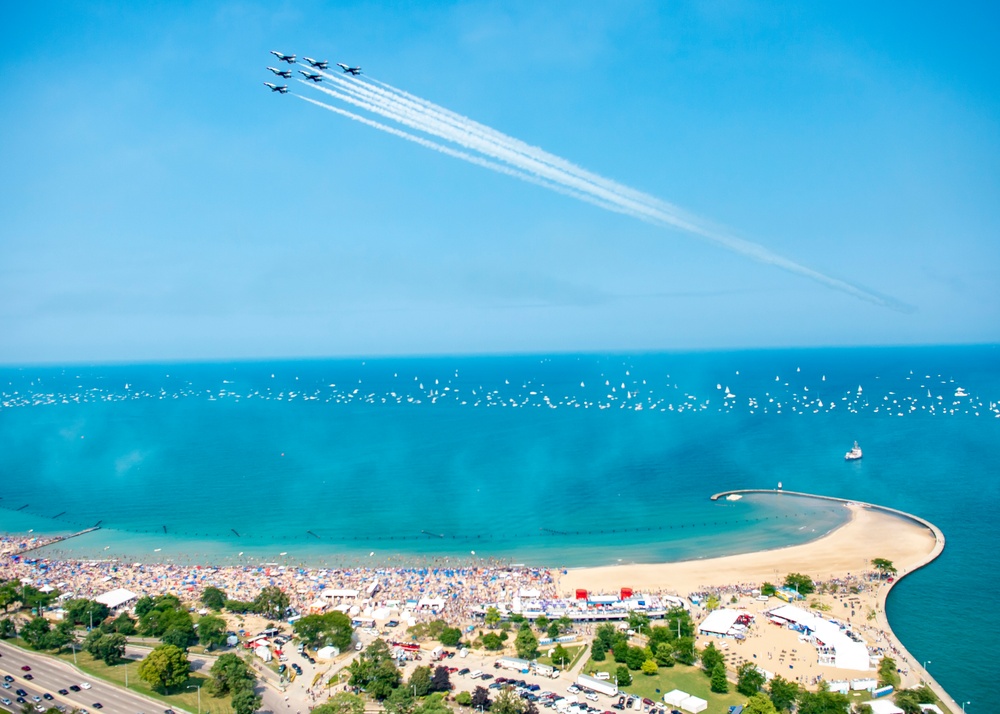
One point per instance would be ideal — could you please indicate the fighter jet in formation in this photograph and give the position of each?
(281, 89)
(290, 59)
(286, 73)
(349, 70)
(321, 64)
(314, 77)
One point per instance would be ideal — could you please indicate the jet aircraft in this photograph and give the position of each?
(286, 73)
(350, 70)
(321, 64)
(281, 89)
(314, 77)
(290, 59)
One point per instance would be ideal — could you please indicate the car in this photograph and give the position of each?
(98, 705)
(5, 685)
(8, 678)
(85, 685)
(573, 689)
(487, 676)
(464, 671)
(36, 699)
(47, 696)
(74, 688)
(591, 696)
(495, 685)
(29, 677)
(168, 711)
(21, 700)
(6, 701)
(21, 693)
(282, 668)
(64, 692)
(39, 708)
(25, 668)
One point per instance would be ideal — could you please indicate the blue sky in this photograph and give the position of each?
(159, 203)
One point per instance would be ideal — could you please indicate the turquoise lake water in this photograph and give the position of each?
(552, 460)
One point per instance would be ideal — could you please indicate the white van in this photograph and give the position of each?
(463, 653)
(477, 674)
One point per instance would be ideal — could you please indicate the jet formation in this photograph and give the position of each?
(312, 76)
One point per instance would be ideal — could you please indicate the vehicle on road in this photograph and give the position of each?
(98, 705)
(64, 692)
(6, 701)
(47, 696)
(25, 668)
(74, 688)
(21, 693)
(85, 685)
(29, 677)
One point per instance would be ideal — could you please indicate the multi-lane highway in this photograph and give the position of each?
(50, 675)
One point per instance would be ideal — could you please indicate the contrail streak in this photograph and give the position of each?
(541, 168)
(476, 160)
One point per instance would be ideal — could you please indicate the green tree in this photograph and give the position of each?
(450, 636)
(492, 618)
(526, 643)
(823, 701)
(34, 632)
(635, 657)
(86, 612)
(649, 667)
(433, 704)
(560, 656)
(7, 629)
(624, 677)
(749, 679)
(887, 672)
(720, 685)
(553, 631)
(684, 651)
(227, 672)
(710, 657)
(9, 593)
(783, 693)
(212, 631)
(420, 681)
(143, 605)
(331, 628)
(463, 699)
(619, 651)
(375, 671)
(492, 641)
(909, 700)
(712, 603)
(341, 703)
(507, 702)
(759, 704)
(400, 701)
(607, 634)
(213, 598)
(664, 655)
(123, 625)
(884, 567)
(166, 666)
(271, 602)
(110, 648)
(768, 589)
(245, 701)
(803, 584)
(542, 622)
(598, 651)
(679, 619)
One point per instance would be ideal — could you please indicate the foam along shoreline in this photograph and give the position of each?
(872, 531)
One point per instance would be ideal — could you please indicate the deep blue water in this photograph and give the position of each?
(563, 460)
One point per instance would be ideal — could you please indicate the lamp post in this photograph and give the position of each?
(191, 686)
(963, 706)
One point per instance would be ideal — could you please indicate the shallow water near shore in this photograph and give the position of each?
(561, 461)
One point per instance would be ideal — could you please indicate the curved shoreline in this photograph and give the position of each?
(808, 557)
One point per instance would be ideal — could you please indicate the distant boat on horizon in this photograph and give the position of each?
(854, 454)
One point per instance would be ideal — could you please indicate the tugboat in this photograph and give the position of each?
(854, 454)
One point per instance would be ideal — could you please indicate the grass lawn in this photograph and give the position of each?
(689, 679)
(184, 698)
(575, 651)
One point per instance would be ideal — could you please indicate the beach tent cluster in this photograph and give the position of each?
(834, 645)
(688, 702)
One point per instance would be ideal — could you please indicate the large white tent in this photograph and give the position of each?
(675, 697)
(719, 622)
(883, 706)
(116, 598)
(694, 704)
(847, 654)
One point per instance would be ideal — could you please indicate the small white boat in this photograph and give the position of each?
(854, 454)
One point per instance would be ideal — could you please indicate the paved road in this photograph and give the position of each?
(51, 675)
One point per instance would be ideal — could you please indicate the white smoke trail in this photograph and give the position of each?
(549, 171)
(476, 160)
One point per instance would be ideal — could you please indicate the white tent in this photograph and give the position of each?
(848, 654)
(719, 622)
(116, 598)
(694, 704)
(264, 653)
(330, 594)
(328, 652)
(675, 697)
(884, 706)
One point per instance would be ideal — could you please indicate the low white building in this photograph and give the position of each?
(114, 599)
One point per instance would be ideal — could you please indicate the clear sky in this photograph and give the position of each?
(157, 202)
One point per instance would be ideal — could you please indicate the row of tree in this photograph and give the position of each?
(272, 602)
